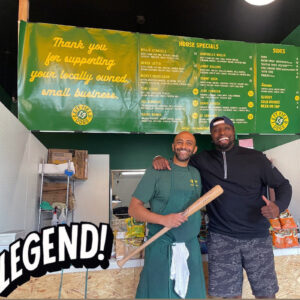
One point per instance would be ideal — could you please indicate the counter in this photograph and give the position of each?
(121, 283)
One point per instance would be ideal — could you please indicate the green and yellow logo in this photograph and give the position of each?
(279, 121)
(194, 182)
(195, 103)
(195, 116)
(82, 114)
(250, 93)
(195, 91)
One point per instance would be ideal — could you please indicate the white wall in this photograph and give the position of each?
(287, 159)
(36, 153)
(92, 195)
(20, 154)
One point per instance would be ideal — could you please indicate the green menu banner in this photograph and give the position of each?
(278, 93)
(185, 82)
(226, 83)
(167, 76)
(83, 79)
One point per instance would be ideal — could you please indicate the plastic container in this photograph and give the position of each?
(54, 220)
(62, 217)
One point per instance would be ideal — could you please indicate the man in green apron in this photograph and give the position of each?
(176, 254)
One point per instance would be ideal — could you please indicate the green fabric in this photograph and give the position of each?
(46, 206)
(171, 192)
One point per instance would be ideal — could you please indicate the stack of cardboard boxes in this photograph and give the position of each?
(56, 192)
(78, 157)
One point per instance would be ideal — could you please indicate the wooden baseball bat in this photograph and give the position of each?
(198, 204)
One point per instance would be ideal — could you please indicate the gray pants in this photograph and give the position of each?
(227, 257)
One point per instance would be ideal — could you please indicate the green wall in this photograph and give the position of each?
(265, 142)
(293, 38)
(127, 151)
(136, 151)
(5, 98)
(7, 101)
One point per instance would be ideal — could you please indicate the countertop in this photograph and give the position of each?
(134, 263)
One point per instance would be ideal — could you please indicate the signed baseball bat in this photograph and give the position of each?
(198, 204)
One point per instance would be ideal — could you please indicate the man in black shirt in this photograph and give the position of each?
(238, 220)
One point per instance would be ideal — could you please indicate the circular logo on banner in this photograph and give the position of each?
(195, 91)
(82, 114)
(279, 121)
(250, 93)
(195, 116)
(195, 103)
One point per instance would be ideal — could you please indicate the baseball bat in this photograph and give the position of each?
(198, 204)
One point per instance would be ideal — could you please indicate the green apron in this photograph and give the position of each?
(155, 277)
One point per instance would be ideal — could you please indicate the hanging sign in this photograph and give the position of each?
(83, 79)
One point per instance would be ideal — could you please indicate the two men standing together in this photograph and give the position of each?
(238, 219)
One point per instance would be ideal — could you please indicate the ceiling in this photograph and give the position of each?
(211, 19)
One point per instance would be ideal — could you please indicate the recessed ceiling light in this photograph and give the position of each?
(259, 2)
(133, 173)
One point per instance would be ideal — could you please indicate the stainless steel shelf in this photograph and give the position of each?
(53, 178)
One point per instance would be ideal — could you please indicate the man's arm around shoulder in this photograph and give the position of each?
(160, 163)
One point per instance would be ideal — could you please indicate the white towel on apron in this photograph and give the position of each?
(179, 268)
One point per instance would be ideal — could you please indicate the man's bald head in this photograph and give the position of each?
(186, 135)
(184, 146)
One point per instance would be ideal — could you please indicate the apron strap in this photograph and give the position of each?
(169, 264)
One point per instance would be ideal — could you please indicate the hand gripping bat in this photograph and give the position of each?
(198, 204)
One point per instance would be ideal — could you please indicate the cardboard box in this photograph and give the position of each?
(78, 157)
(57, 192)
(59, 156)
(125, 246)
(81, 164)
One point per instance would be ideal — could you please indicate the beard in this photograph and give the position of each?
(183, 156)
